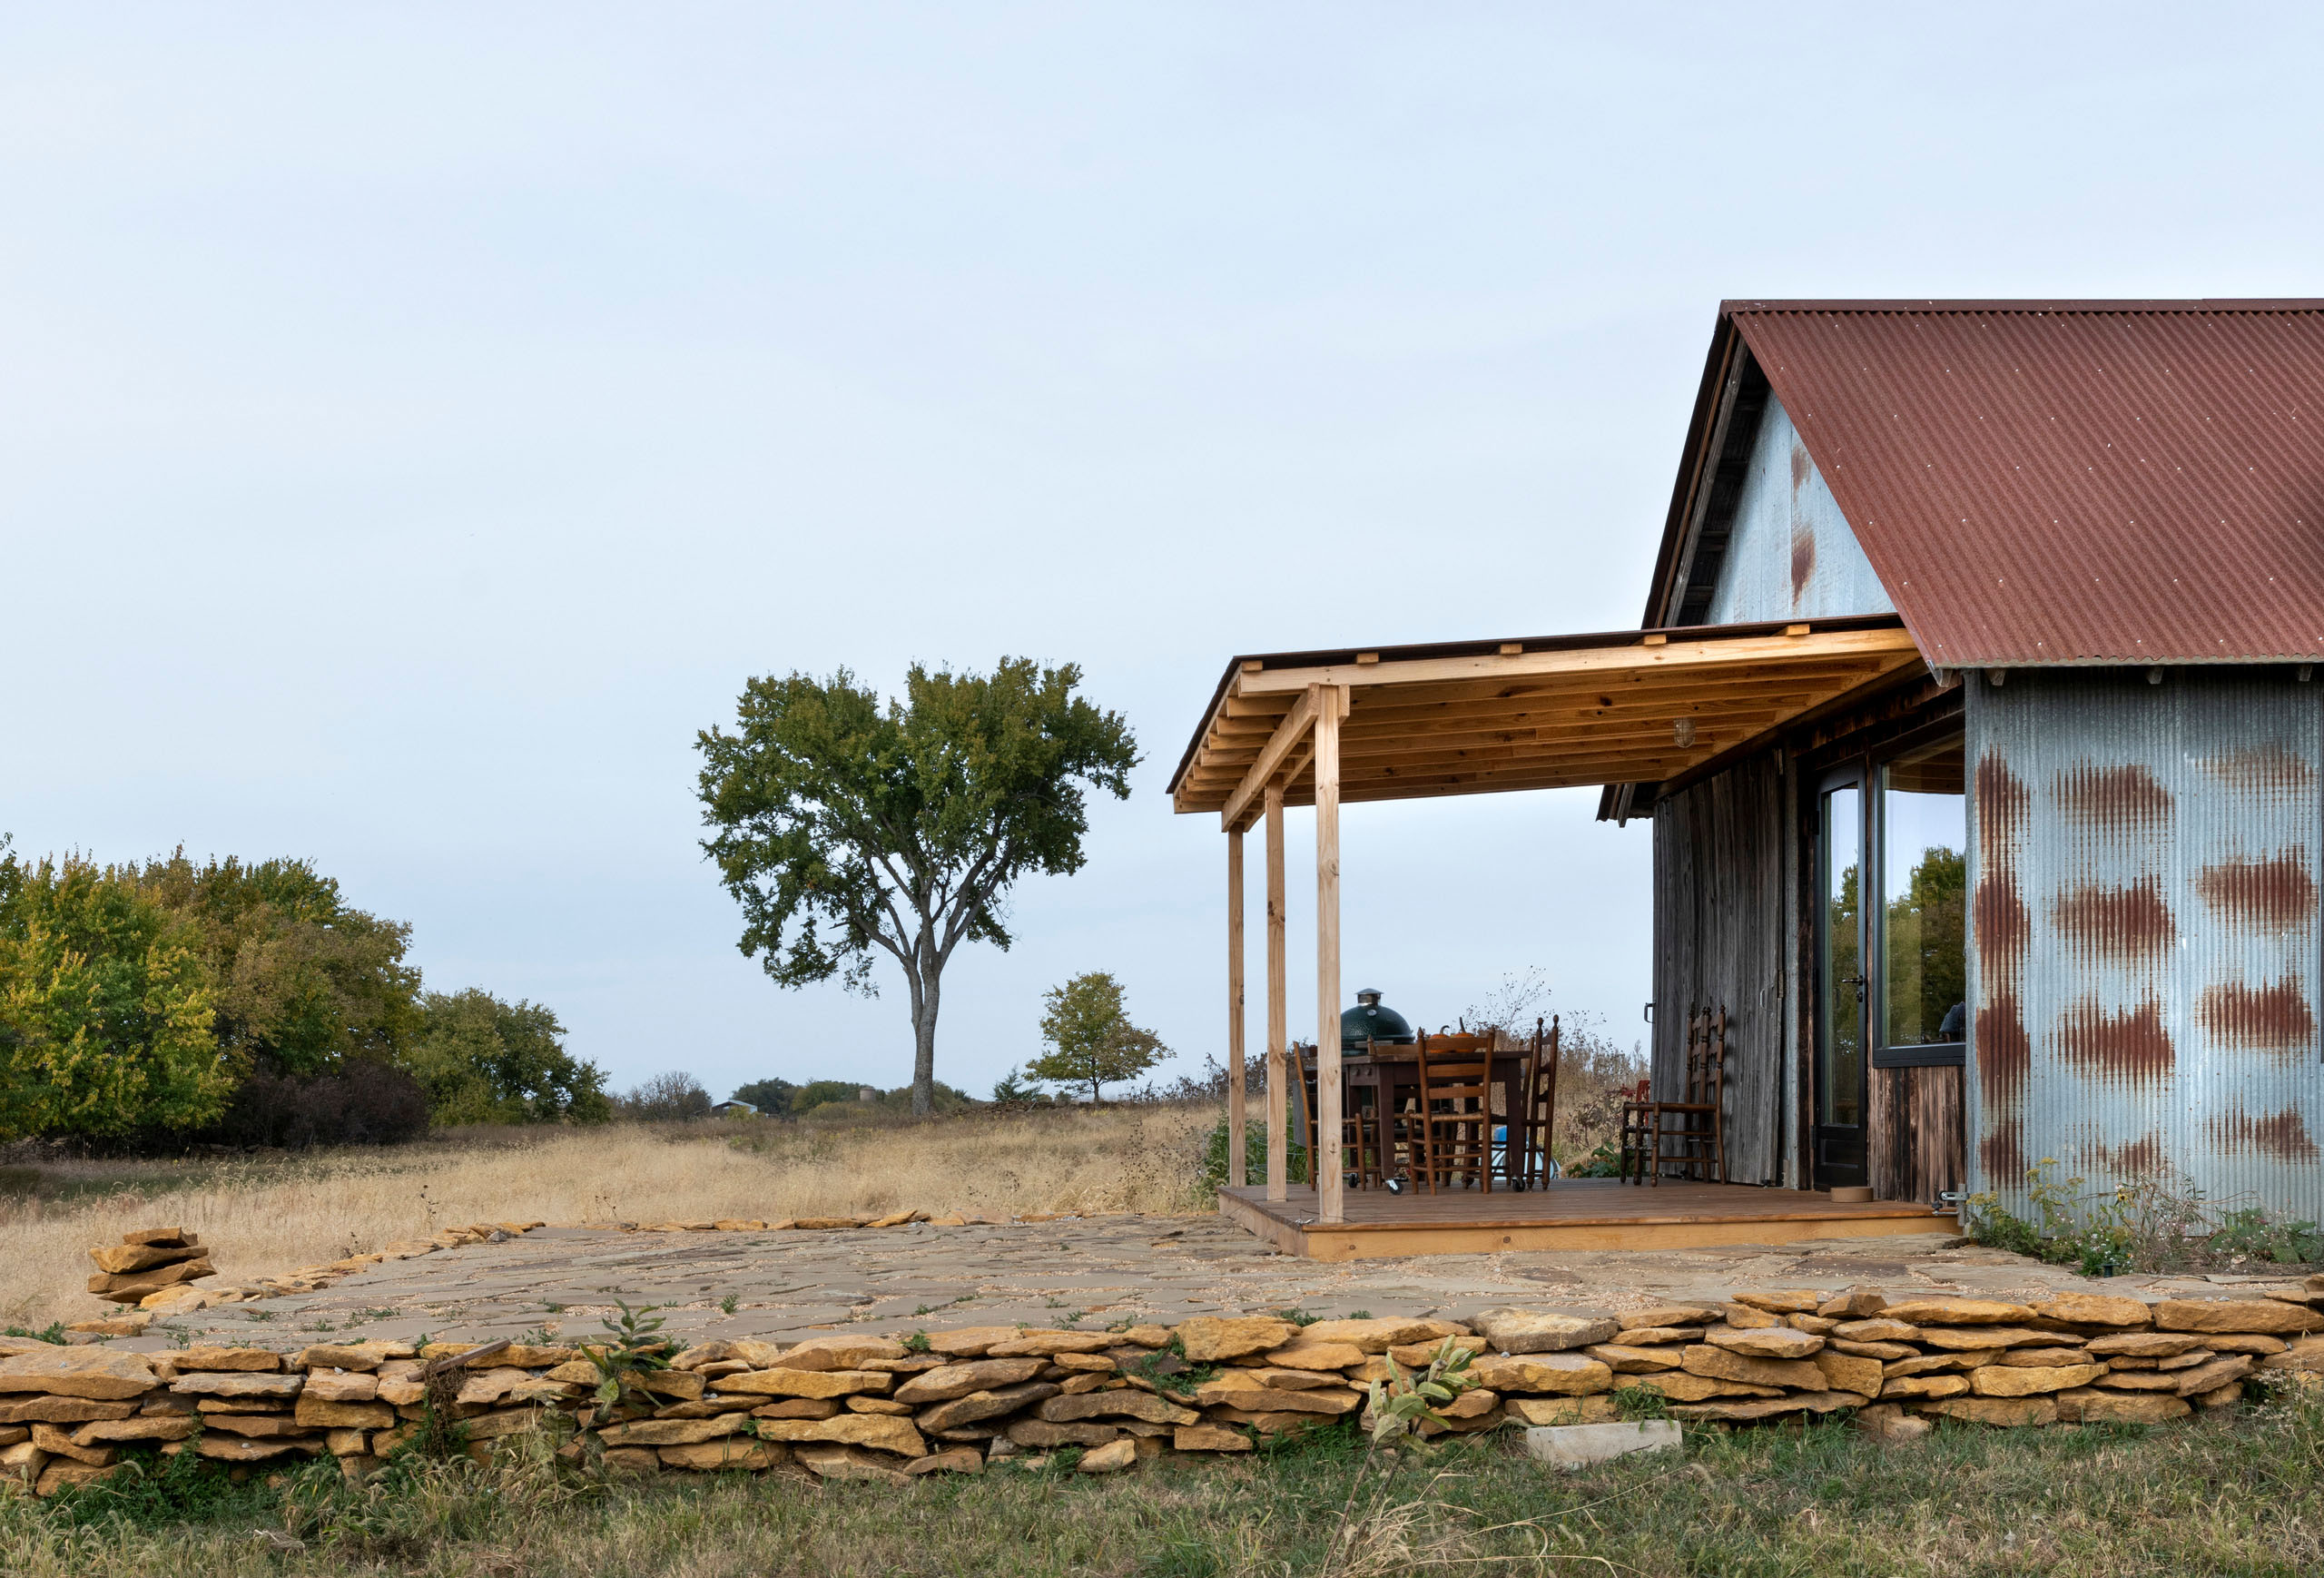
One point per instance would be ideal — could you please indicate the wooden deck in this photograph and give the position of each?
(1573, 1213)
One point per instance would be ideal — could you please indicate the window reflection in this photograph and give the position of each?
(1841, 1069)
(1924, 897)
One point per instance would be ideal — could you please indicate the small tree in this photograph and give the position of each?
(845, 825)
(672, 1098)
(482, 1061)
(1091, 1039)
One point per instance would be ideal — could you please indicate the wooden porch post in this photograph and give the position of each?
(1325, 1163)
(1235, 1168)
(1278, 1032)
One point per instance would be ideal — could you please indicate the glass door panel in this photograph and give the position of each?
(1840, 986)
(1924, 894)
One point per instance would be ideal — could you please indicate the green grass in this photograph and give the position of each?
(2241, 1493)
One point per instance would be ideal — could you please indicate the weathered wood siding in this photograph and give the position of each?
(1718, 938)
(1914, 1147)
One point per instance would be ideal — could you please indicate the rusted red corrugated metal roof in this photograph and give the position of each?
(2041, 482)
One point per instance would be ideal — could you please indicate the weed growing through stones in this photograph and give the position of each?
(51, 1333)
(1169, 1373)
(1641, 1403)
(633, 1353)
(1403, 1403)
(731, 1303)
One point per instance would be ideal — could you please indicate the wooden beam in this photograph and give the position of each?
(1323, 1161)
(1288, 733)
(1607, 661)
(1278, 1017)
(1235, 1168)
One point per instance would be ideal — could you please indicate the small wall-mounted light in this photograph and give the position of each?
(1683, 730)
(2305, 669)
(1996, 677)
(2154, 676)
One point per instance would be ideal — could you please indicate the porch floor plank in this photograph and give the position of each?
(1570, 1214)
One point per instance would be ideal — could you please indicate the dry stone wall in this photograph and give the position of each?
(853, 1406)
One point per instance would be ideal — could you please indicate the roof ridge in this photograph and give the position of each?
(2086, 307)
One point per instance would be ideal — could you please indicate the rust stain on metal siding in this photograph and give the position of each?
(2132, 1048)
(2139, 1157)
(1803, 561)
(2123, 923)
(2268, 769)
(2276, 895)
(2269, 1019)
(2002, 1154)
(2129, 797)
(2004, 1052)
(2003, 807)
(2004, 925)
(2282, 1134)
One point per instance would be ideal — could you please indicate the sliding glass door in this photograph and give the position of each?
(1840, 982)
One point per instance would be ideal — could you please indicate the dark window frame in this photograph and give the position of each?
(1918, 1054)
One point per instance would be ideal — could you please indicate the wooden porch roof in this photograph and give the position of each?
(1634, 707)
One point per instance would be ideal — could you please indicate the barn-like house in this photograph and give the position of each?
(1974, 714)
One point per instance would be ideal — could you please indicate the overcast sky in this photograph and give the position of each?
(417, 422)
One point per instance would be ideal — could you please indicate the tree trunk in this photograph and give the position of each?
(923, 1039)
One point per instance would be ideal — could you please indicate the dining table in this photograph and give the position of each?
(1392, 1073)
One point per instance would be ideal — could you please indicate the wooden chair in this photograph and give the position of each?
(1359, 1139)
(1533, 1113)
(1690, 1135)
(1637, 1134)
(1454, 1114)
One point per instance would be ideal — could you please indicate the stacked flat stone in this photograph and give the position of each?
(2071, 1358)
(148, 1263)
(140, 1269)
(849, 1406)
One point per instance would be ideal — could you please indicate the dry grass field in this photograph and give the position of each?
(272, 1213)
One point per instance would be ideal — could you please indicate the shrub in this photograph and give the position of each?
(1254, 1156)
(366, 1102)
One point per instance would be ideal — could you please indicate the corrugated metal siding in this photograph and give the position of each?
(1718, 935)
(2144, 934)
(2042, 482)
(1790, 554)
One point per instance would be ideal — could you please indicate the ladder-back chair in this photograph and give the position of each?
(1690, 1135)
(1455, 1115)
(1534, 1112)
(1359, 1154)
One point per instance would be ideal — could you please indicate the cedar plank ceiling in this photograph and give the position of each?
(2056, 482)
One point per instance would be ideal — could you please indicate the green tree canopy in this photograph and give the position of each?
(1091, 1039)
(771, 1096)
(304, 979)
(107, 1011)
(482, 1061)
(845, 825)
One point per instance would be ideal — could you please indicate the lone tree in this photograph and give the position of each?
(1090, 1038)
(845, 823)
